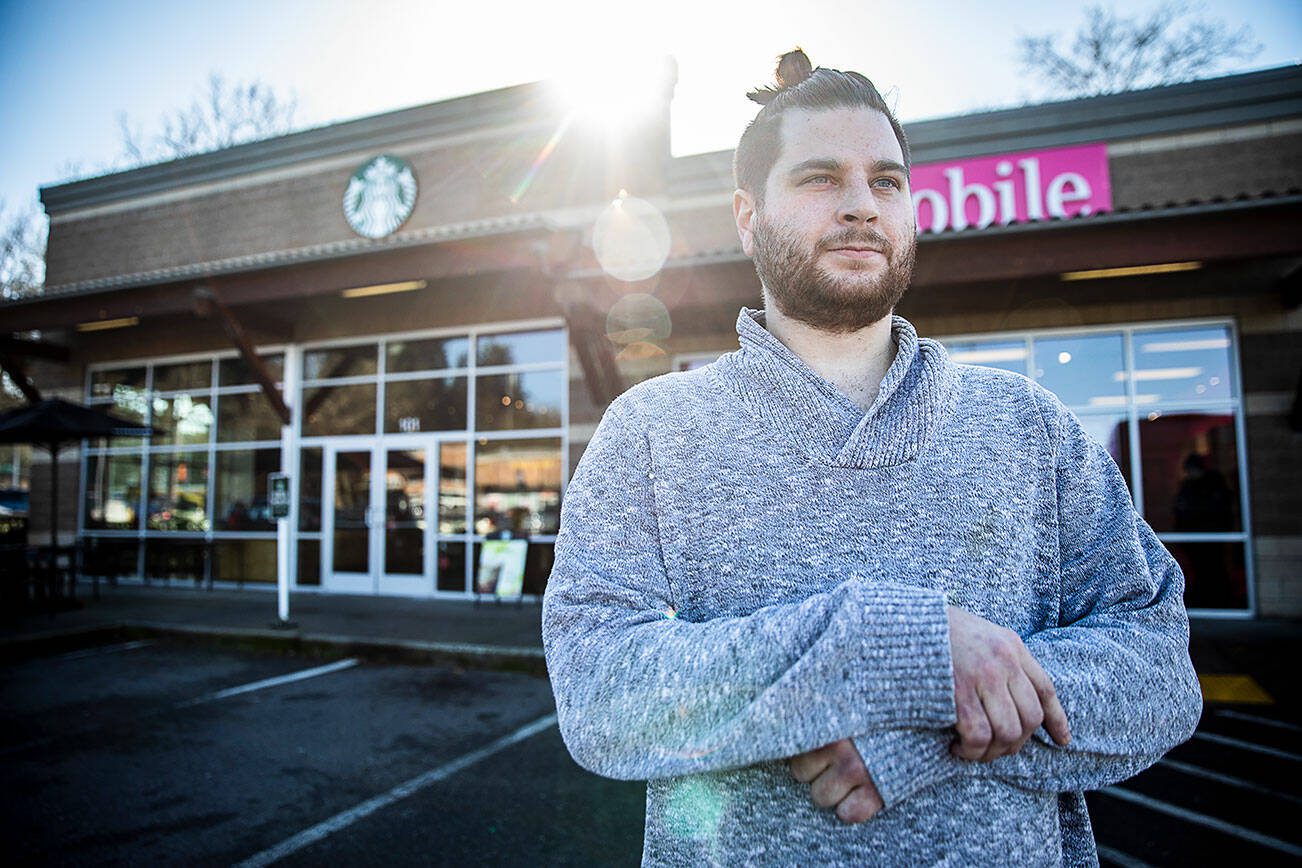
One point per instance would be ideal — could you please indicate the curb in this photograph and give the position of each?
(322, 645)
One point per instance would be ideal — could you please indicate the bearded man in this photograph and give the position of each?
(838, 599)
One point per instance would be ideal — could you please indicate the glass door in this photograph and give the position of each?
(349, 518)
(406, 503)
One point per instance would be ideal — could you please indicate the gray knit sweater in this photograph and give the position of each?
(750, 567)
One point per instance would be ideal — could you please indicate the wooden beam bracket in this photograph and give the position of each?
(207, 303)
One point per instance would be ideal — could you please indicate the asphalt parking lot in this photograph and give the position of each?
(161, 752)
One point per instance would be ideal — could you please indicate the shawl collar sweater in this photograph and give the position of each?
(750, 567)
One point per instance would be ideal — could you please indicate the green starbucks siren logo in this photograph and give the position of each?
(380, 196)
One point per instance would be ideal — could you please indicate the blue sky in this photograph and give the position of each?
(67, 69)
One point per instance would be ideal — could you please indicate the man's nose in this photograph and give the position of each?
(857, 205)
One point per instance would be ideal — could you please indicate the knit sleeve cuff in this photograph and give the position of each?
(905, 761)
(904, 655)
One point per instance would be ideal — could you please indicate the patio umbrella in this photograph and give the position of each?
(53, 422)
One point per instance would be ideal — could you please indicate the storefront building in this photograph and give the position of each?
(420, 317)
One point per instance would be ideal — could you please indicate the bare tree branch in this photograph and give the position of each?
(22, 251)
(223, 115)
(1112, 53)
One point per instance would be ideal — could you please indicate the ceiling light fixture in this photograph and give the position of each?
(100, 325)
(383, 288)
(1131, 270)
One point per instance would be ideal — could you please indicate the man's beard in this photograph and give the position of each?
(838, 303)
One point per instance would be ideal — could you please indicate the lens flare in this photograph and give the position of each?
(631, 239)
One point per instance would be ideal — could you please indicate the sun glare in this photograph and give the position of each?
(616, 91)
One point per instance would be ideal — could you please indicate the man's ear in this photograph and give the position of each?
(743, 211)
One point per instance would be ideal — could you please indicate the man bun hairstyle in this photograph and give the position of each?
(800, 86)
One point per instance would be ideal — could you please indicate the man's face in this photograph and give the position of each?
(835, 239)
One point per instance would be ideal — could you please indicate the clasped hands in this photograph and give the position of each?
(1001, 696)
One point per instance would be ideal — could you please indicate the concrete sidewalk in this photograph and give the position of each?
(497, 635)
(508, 635)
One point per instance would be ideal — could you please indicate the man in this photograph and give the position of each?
(836, 598)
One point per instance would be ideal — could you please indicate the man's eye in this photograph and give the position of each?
(887, 182)
(819, 179)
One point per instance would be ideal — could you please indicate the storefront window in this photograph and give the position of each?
(235, 372)
(183, 377)
(246, 416)
(242, 488)
(1082, 370)
(1112, 432)
(330, 410)
(1005, 355)
(1191, 471)
(176, 559)
(309, 489)
(178, 491)
(518, 486)
(1183, 365)
(404, 511)
(112, 491)
(432, 354)
(182, 421)
(245, 560)
(451, 566)
(505, 402)
(452, 488)
(1214, 574)
(437, 404)
(105, 384)
(329, 364)
(309, 562)
(521, 348)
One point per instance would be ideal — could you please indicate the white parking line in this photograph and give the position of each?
(1199, 771)
(1203, 820)
(103, 649)
(1265, 721)
(1214, 738)
(271, 682)
(1125, 860)
(311, 835)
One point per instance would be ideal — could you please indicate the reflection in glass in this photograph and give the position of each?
(1005, 355)
(1184, 364)
(1191, 471)
(246, 560)
(130, 403)
(235, 372)
(519, 348)
(506, 402)
(178, 491)
(112, 492)
(111, 557)
(246, 416)
(309, 489)
(104, 384)
(404, 511)
(452, 488)
(518, 486)
(183, 376)
(432, 354)
(538, 566)
(1214, 576)
(452, 566)
(331, 410)
(437, 404)
(1112, 431)
(352, 497)
(309, 561)
(242, 488)
(182, 420)
(1082, 370)
(340, 362)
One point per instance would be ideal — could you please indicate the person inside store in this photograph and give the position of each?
(836, 598)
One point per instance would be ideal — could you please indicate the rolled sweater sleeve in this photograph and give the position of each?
(643, 693)
(1118, 658)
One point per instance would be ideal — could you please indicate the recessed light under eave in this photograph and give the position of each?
(1131, 270)
(100, 325)
(383, 288)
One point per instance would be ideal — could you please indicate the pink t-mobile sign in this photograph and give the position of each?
(1012, 188)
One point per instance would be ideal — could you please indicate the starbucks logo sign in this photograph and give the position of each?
(380, 196)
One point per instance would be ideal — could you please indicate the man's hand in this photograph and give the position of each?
(1000, 692)
(838, 778)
